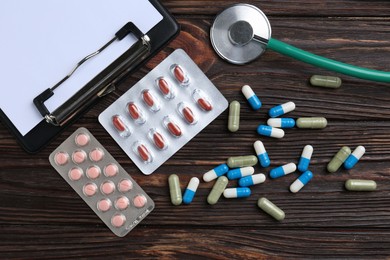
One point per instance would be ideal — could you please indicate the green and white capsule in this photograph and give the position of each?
(217, 190)
(271, 209)
(242, 161)
(360, 185)
(325, 81)
(174, 189)
(312, 122)
(338, 159)
(234, 116)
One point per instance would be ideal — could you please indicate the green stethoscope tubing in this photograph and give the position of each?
(319, 61)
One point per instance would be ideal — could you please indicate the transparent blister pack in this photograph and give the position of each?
(101, 182)
(163, 111)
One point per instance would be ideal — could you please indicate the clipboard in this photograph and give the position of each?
(142, 40)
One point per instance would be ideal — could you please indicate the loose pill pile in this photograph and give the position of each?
(163, 111)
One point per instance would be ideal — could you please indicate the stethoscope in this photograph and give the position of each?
(242, 32)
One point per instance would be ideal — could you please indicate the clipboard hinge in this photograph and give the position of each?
(102, 84)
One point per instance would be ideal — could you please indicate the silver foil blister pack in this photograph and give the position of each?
(101, 182)
(163, 111)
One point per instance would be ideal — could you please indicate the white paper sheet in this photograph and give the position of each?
(42, 40)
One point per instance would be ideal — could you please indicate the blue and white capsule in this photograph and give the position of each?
(262, 154)
(240, 172)
(242, 192)
(282, 170)
(284, 122)
(216, 172)
(304, 161)
(354, 157)
(281, 109)
(253, 100)
(252, 180)
(191, 190)
(270, 131)
(302, 180)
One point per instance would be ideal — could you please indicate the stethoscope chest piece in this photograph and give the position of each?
(240, 33)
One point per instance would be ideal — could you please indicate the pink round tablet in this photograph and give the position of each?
(125, 185)
(104, 205)
(78, 156)
(96, 155)
(118, 220)
(111, 170)
(75, 174)
(107, 187)
(61, 158)
(139, 201)
(82, 139)
(93, 172)
(122, 203)
(89, 189)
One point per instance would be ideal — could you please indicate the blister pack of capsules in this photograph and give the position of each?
(101, 182)
(163, 111)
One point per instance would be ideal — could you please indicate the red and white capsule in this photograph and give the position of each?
(172, 127)
(202, 100)
(186, 112)
(166, 89)
(143, 152)
(120, 126)
(157, 139)
(150, 100)
(136, 113)
(180, 75)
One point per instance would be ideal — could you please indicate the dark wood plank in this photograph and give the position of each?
(42, 217)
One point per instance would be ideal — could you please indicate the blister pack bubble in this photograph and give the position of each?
(101, 182)
(163, 111)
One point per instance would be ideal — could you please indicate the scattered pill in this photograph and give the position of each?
(143, 152)
(284, 122)
(136, 113)
(157, 139)
(120, 126)
(281, 109)
(304, 161)
(150, 100)
(240, 172)
(338, 159)
(234, 116)
(202, 100)
(186, 112)
(165, 88)
(174, 189)
(354, 157)
(172, 127)
(82, 139)
(271, 209)
(217, 190)
(283, 170)
(242, 161)
(325, 81)
(189, 193)
(262, 154)
(302, 180)
(312, 122)
(180, 75)
(270, 131)
(252, 180)
(253, 100)
(242, 192)
(360, 185)
(215, 173)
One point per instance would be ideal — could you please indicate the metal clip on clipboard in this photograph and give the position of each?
(102, 84)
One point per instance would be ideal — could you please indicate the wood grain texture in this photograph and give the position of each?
(41, 217)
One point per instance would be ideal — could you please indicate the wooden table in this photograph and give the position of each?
(42, 217)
